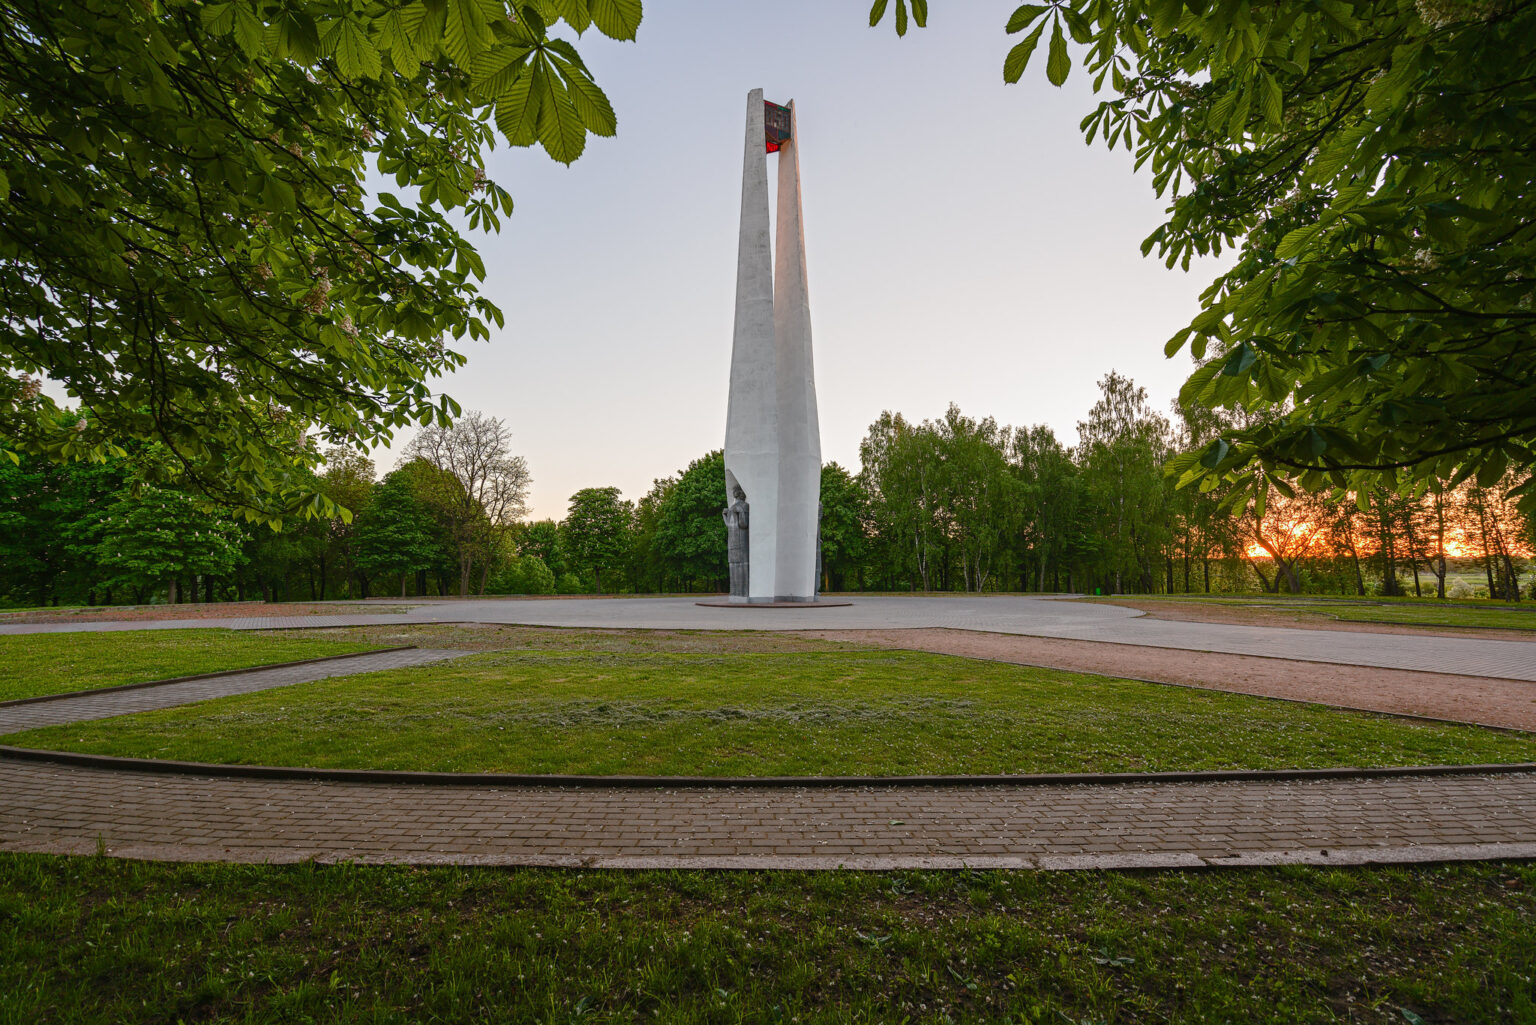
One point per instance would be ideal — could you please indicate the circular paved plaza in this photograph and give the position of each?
(67, 804)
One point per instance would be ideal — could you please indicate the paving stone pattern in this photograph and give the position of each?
(64, 809)
(102, 705)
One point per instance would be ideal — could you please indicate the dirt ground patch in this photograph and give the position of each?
(1185, 611)
(503, 637)
(1491, 702)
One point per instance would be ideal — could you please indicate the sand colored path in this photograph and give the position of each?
(1485, 700)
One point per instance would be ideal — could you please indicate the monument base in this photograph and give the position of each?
(776, 603)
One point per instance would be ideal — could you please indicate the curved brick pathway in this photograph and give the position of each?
(103, 704)
(68, 810)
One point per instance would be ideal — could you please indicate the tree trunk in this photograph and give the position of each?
(1493, 591)
(1413, 552)
(1388, 561)
(170, 598)
(1439, 564)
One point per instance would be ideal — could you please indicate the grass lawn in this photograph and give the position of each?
(1477, 614)
(37, 664)
(95, 940)
(840, 710)
(1488, 617)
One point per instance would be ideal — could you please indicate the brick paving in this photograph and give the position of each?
(64, 809)
(103, 704)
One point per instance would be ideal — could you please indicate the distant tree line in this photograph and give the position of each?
(953, 504)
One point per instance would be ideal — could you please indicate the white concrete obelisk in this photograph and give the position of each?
(772, 435)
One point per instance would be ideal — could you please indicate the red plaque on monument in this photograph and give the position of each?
(775, 125)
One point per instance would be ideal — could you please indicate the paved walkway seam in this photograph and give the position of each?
(89, 692)
(1343, 858)
(236, 770)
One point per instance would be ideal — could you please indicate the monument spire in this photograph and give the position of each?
(772, 434)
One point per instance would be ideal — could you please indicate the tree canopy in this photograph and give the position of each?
(597, 530)
(186, 243)
(1373, 162)
(396, 534)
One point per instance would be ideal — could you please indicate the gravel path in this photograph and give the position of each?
(1485, 700)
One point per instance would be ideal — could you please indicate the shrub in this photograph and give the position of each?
(524, 575)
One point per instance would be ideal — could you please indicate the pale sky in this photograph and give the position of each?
(963, 243)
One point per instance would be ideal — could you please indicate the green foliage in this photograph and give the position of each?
(919, 14)
(524, 574)
(396, 534)
(474, 485)
(690, 534)
(941, 493)
(186, 244)
(1374, 164)
(597, 530)
(541, 540)
(843, 544)
(46, 514)
(648, 570)
(152, 536)
(1122, 447)
(1051, 506)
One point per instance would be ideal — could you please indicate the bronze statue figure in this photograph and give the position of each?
(737, 542)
